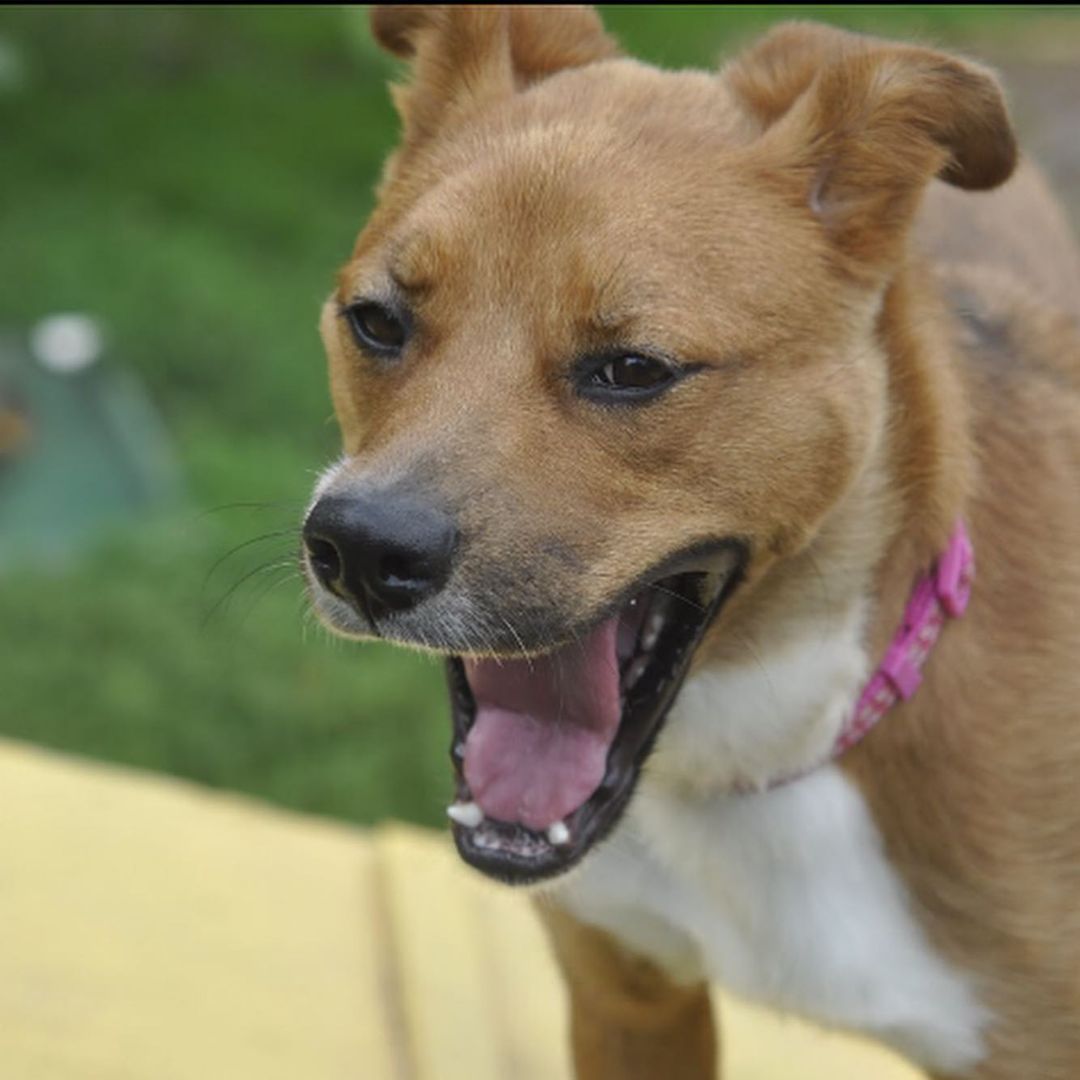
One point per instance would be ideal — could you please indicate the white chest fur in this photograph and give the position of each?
(784, 896)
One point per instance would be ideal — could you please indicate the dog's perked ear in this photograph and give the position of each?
(861, 126)
(464, 55)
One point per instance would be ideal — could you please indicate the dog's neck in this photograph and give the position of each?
(929, 458)
(778, 678)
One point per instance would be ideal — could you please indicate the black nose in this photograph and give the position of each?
(384, 552)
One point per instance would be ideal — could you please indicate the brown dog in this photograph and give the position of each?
(666, 399)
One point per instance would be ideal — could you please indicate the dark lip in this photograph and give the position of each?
(639, 726)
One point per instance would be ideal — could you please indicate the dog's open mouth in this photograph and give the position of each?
(547, 749)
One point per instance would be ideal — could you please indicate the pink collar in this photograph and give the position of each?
(941, 594)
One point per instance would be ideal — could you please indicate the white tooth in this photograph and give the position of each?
(636, 669)
(468, 814)
(558, 834)
(652, 632)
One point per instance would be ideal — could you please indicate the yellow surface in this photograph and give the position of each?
(150, 930)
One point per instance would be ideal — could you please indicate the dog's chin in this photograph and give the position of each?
(544, 766)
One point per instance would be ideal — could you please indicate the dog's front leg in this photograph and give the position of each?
(628, 1020)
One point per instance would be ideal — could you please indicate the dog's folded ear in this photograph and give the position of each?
(464, 55)
(861, 125)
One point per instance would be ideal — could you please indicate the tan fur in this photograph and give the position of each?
(1018, 230)
(990, 744)
(880, 355)
(629, 1020)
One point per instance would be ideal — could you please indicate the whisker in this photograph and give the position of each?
(678, 596)
(745, 642)
(820, 577)
(241, 546)
(278, 563)
(488, 640)
(280, 504)
(290, 574)
(305, 613)
(517, 638)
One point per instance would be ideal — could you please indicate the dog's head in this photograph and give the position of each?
(604, 355)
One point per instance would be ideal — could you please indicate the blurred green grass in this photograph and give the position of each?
(193, 176)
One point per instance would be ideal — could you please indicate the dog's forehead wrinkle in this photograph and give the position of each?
(506, 313)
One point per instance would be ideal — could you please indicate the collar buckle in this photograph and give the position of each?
(955, 569)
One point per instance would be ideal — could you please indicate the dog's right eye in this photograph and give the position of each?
(627, 378)
(376, 328)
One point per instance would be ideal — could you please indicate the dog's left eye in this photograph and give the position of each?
(375, 327)
(628, 377)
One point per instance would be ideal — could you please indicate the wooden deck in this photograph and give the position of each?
(150, 930)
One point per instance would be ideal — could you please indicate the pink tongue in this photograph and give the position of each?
(538, 746)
